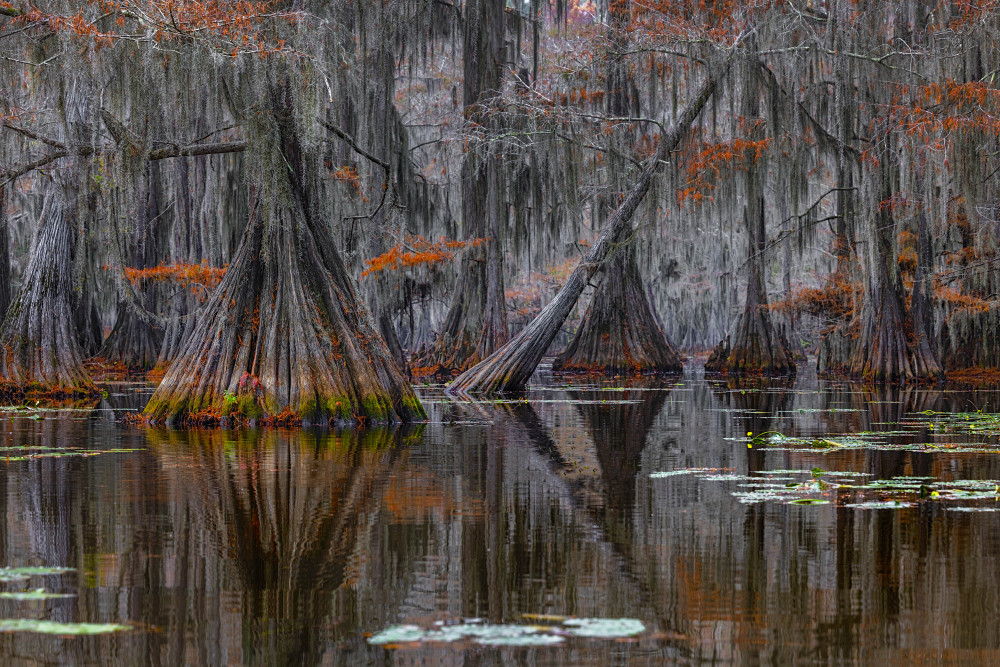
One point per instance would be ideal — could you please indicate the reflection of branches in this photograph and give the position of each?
(522, 419)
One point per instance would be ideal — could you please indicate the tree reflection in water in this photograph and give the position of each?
(286, 547)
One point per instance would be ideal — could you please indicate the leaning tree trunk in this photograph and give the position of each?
(39, 348)
(285, 331)
(619, 332)
(476, 323)
(510, 367)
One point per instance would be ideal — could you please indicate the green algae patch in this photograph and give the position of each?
(373, 409)
(413, 409)
(32, 453)
(56, 628)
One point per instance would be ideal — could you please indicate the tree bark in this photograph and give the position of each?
(619, 332)
(134, 341)
(285, 331)
(4, 255)
(510, 367)
(476, 323)
(757, 348)
(39, 347)
(882, 353)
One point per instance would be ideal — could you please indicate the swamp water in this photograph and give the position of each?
(673, 522)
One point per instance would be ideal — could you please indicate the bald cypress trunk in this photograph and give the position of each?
(886, 349)
(476, 323)
(4, 254)
(285, 332)
(757, 347)
(134, 341)
(39, 346)
(619, 332)
(386, 137)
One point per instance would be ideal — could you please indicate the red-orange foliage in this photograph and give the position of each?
(348, 175)
(689, 20)
(233, 26)
(836, 299)
(706, 165)
(415, 252)
(185, 275)
(907, 255)
(959, 302)
(937, 110)
(527, 298)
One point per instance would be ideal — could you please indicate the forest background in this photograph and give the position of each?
(289, 209)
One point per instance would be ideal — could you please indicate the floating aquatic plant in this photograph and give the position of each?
(22, 573)
(512, 634)
(36, 594)
(56, 628)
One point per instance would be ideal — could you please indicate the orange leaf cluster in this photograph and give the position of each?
(961, 303)
(417, 251)
(941, 109)
(185, 275)
(836, 299)
(348, 175)
(708, 164)
(234, 26)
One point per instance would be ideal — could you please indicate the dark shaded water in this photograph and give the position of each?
(292, 547)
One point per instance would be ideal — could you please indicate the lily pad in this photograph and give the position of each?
(511, 634)
(36, 594)
(880, 505)
(22, 573)
(987, 508)
(682, 471)
(604, 627)
(56, 628)
(398, 634)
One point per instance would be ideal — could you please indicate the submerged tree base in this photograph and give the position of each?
(619, 334)
(762, 352)
(40, 352)
(285, 332)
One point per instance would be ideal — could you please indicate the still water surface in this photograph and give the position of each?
(273, 547)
